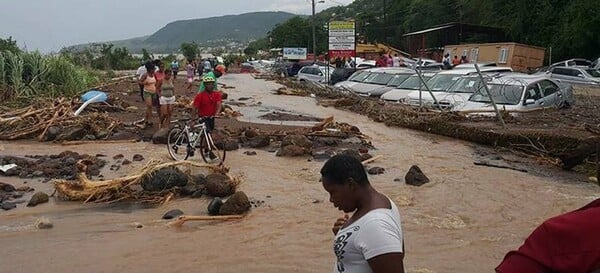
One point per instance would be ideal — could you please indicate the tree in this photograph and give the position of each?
(9, 45)
(190, 50)
(146, 56)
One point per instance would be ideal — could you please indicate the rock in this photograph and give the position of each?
(8, 206)
(25, 189)
(229, 145)
(290, 151)
(259, 142)
(352, 140)
(215, 206)
(52, 133)
(6, 187)
(363, 150)
(219, 185)
(163, 179)
(172, 214)
(250, 153)
(126, 162)
(17, 195)
(102, 134)
(138, 225)
(398, 179)
(13, 171)
(138, 157)
(43, 223)
(322, 155)
(70, 161)
(161, 136)
(38, 173)
(238, 203)
(100, 155)
(328, 141)
(131, 109)
(72, 133)
(297, 140)
(352, 153)
(364, 157)
(197, 194)
(93, 170)
(119, 156)
(376, 170)
(416, 177)
(199, 180)
(251, 133)
(38, 198)
(89, 137)
(189, 189)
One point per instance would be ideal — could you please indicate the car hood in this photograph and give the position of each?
(397, 94)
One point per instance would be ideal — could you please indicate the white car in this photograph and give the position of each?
(399, 93)
(315, 73)
(441, 83)
(358, 77)
(520, 93)
(380, 80)
(575, 75)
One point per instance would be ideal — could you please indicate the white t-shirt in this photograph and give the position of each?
(377, 232)
(396, 61)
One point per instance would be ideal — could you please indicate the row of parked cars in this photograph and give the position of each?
(462, 88)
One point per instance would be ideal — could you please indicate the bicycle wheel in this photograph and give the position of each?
(210, 153)
(177, 143)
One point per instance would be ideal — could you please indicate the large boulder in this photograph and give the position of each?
(416, 177)
(219, 185)
(72, 133)
(161, 136)
(291, 151)
(164, 179)
(172, 214)
(259, 142)
(215, 206)
(298, 140)
(238, 203)
(38, 198)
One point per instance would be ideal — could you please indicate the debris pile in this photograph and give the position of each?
(55, 120)
(156, 183)
(62, 165)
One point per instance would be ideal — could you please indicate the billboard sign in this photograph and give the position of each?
(342, 39)
(295, 53)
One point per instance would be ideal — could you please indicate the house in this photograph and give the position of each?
(519, 57)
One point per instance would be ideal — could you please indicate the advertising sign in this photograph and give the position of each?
(295, 53)
(342, 39)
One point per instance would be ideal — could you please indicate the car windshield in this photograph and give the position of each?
(501, 93)
(359, 76)
(593, 72)
(398, 79)
(582, 63)
(413, 83)
(379, 78)
(467, 85)
(440, 83)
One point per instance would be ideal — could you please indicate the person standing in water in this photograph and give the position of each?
(371, 239)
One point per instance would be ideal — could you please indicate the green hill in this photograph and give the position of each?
(214, 31)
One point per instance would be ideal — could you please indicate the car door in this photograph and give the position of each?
(533, 97)
(550, 92)
(562, 74)
(303, 73)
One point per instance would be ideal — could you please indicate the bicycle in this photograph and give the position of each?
(183, 140)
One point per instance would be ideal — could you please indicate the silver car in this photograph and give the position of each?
(520, 94)
(398, 94)
(315, 73)
(379, 77)
(575, 75)
(396, 81)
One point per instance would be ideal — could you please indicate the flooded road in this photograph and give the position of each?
(465, 220)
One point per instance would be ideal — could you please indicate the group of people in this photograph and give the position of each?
(386, 60)
(371, 238)
(448, 64)
(197, 66)
(157, 89)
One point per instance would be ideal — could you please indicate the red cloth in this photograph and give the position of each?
(569, 243)
(381, 62)
(206, 103)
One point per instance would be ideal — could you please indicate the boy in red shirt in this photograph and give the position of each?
(208, 104)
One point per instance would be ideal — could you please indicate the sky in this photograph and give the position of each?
(49, 25)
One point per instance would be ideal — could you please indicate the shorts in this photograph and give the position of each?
(210, 123)
(190, 79)
(149, 95)
(166, 100)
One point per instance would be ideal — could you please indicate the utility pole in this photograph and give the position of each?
(314, 35)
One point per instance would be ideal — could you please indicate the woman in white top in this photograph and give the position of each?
(371, 239)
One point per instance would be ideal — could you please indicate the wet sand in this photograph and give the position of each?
(465, 220)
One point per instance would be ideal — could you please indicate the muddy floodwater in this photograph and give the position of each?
(465, 220)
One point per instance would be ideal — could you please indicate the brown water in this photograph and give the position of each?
(465, 220)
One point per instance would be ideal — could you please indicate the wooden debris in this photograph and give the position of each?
(182, 219)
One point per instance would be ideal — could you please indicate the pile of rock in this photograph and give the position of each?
(50, 166)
